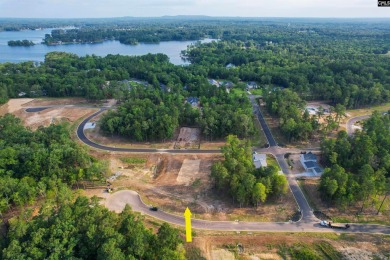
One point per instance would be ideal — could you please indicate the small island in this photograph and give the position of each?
(21, 43)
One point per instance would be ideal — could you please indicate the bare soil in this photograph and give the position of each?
(269, 245)
(350, 214)
(14, 105)
(41, 102)
(47, 116)
(172, 182)
(189, 138)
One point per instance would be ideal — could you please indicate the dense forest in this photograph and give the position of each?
(21, 43)
(36, 164)
(359, 165)
(168, 86)
(84, 229)
(237, 175)
(38, 168)
(344, 72)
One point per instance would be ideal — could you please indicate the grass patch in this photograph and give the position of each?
(196, 183)
(308, 197)
(258, 139)
(271, 161)
(193, 253)
(302, 251)
(257, 91)
(238, 91)
(369, 110)
(133, 160)
(328, 250)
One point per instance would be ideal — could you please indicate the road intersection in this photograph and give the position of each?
(307, 223)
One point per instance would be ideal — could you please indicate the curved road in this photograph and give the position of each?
(308, 223)
(84, 139)
(352, 121)
(117, 201)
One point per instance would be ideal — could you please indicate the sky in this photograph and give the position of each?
(155, 8)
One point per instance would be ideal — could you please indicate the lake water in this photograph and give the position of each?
(37, 52)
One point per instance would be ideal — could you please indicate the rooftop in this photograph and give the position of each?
(310, 157)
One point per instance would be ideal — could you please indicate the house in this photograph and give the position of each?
(230, 66)
(228, 84)
(214, 82)
(309, 162)
(259, 160)
(194, 101)
(251, 85)
(165, 88)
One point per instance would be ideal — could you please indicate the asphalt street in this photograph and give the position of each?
(84, 139)
(117, 201)
(308, 222)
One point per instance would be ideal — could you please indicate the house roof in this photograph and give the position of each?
(310, 157)
(214, 82)
(192, 100)
(318, 170)
(310, 164)
(259, 160)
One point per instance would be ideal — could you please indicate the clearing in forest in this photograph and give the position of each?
(189, 138)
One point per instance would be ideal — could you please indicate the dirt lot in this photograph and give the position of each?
(190, 134)
(218, 246)
(41, 102)
(47, 116)
(189, 138)
(173, 182)
(349, 215)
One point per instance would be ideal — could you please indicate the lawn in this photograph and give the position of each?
(368, 110)
(258, 91)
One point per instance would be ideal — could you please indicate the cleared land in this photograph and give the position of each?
(45, 117)
(351, 214)
(173, 182)
(189, 138)
(280, 246)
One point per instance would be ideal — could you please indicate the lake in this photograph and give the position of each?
(37, 52)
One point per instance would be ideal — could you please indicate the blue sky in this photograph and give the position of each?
(145, 8)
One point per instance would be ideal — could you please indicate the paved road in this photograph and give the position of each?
(353, 121)
(306, 211)
(308, 223)
(118, 200)
(263, 123)
(84, 139)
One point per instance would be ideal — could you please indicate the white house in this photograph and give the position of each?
(214, 82)
(230, 65)
(259, 160)
(309, 162)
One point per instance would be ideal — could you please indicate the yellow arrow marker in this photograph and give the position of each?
(187, 215)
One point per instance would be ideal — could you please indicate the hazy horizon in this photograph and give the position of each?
(72, 9)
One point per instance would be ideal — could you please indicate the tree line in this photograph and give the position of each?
(358, 165)
(237, 175)
(84, 229)
(21, 43)
(153, 114)
(38, 164)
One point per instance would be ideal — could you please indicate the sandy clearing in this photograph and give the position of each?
(14, 105)
(188, 138)
(52, 115)
(222, 254)
(188, 172)
(41, 102)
